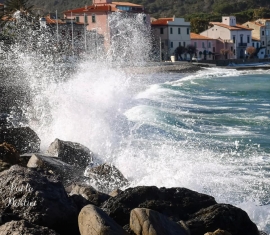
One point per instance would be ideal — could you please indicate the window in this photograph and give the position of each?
(233, 38)
(209, 44)
(171, 44)
(248, 39)
(85, 19)
(162, 45)
(262, 33)
(203, 46)
(184, 44)
(253, 44)
(77, 18)
(263, 43)
(231, 48)
(187, 30)
(161, 30)
(214, 49)
(171, 30)
(179, 43)
(93, 18)
(195, 44)
(179, 30)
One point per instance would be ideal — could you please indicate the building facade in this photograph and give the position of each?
(228, 30)
(170, 33)
(97, 17)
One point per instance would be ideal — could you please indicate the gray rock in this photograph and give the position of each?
(89, 193)
(115, 192)
(65, 172)
(149, 222)
(8, 156)
(175, 203)
(224, 217)
(40, 199)
(23, 227)
(218, 232)
(23, 139)
(105, 178)
(71, 153)
(93, 221)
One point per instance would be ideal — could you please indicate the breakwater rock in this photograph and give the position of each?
(62, 193)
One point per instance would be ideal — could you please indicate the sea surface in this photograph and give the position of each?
(208, 131)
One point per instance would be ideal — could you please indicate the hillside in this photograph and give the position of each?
(205, 9)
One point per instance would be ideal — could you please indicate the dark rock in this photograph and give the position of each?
(89, 193)
(176, 203)
(22, 138)
(222, 216)
(105, 178)
(72, 153)
(149, 222)
(23, 227)
(8, 156)
(93, 221)
(65, 172)
(40, 199)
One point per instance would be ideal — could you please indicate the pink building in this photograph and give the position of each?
(210, 48)
(96, 17)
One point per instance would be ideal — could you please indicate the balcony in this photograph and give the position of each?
(241, 44)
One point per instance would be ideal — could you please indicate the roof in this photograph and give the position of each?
(199, 37)
(55, 21)
(161, 21)
(102, 7)
(236, 27)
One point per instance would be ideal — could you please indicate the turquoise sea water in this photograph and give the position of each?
(210, 132)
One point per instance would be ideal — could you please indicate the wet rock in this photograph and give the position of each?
(218, 232)
(24, 159)
(93, 221)
(149, 222)
(115, 192)
(105, 178)
(23, 227)
(65, 172)
(89, 193)
(23, 139)
(40, 199)
(176, 203)
(224, 217)
(71, 153)
(8, 156)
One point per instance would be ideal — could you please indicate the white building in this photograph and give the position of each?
(228, 29)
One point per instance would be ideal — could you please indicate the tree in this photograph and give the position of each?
(251, 51)
(179, 51)
(198, 25)
(191, 50)
(225, 53)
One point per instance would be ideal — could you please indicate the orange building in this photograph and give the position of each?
(96, 17)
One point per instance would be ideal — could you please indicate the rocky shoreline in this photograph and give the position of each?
(68, 191)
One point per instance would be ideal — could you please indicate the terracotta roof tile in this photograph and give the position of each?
(126, 4)
(236, 27)
(161, 21)
(199, 37)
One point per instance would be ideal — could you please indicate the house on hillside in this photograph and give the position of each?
(228, 30)
(98, 17)
(170, 33)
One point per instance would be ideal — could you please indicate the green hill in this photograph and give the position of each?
(204, 9)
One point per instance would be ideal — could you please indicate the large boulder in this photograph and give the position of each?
(176, 203)
(224, 217)
(8, 156)
(23, 227)
(149, 222)
(23, 139)
(40, 199)
(72, 153)
(89, 193)
(65, 172)
(93, 221)
(105, 178)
